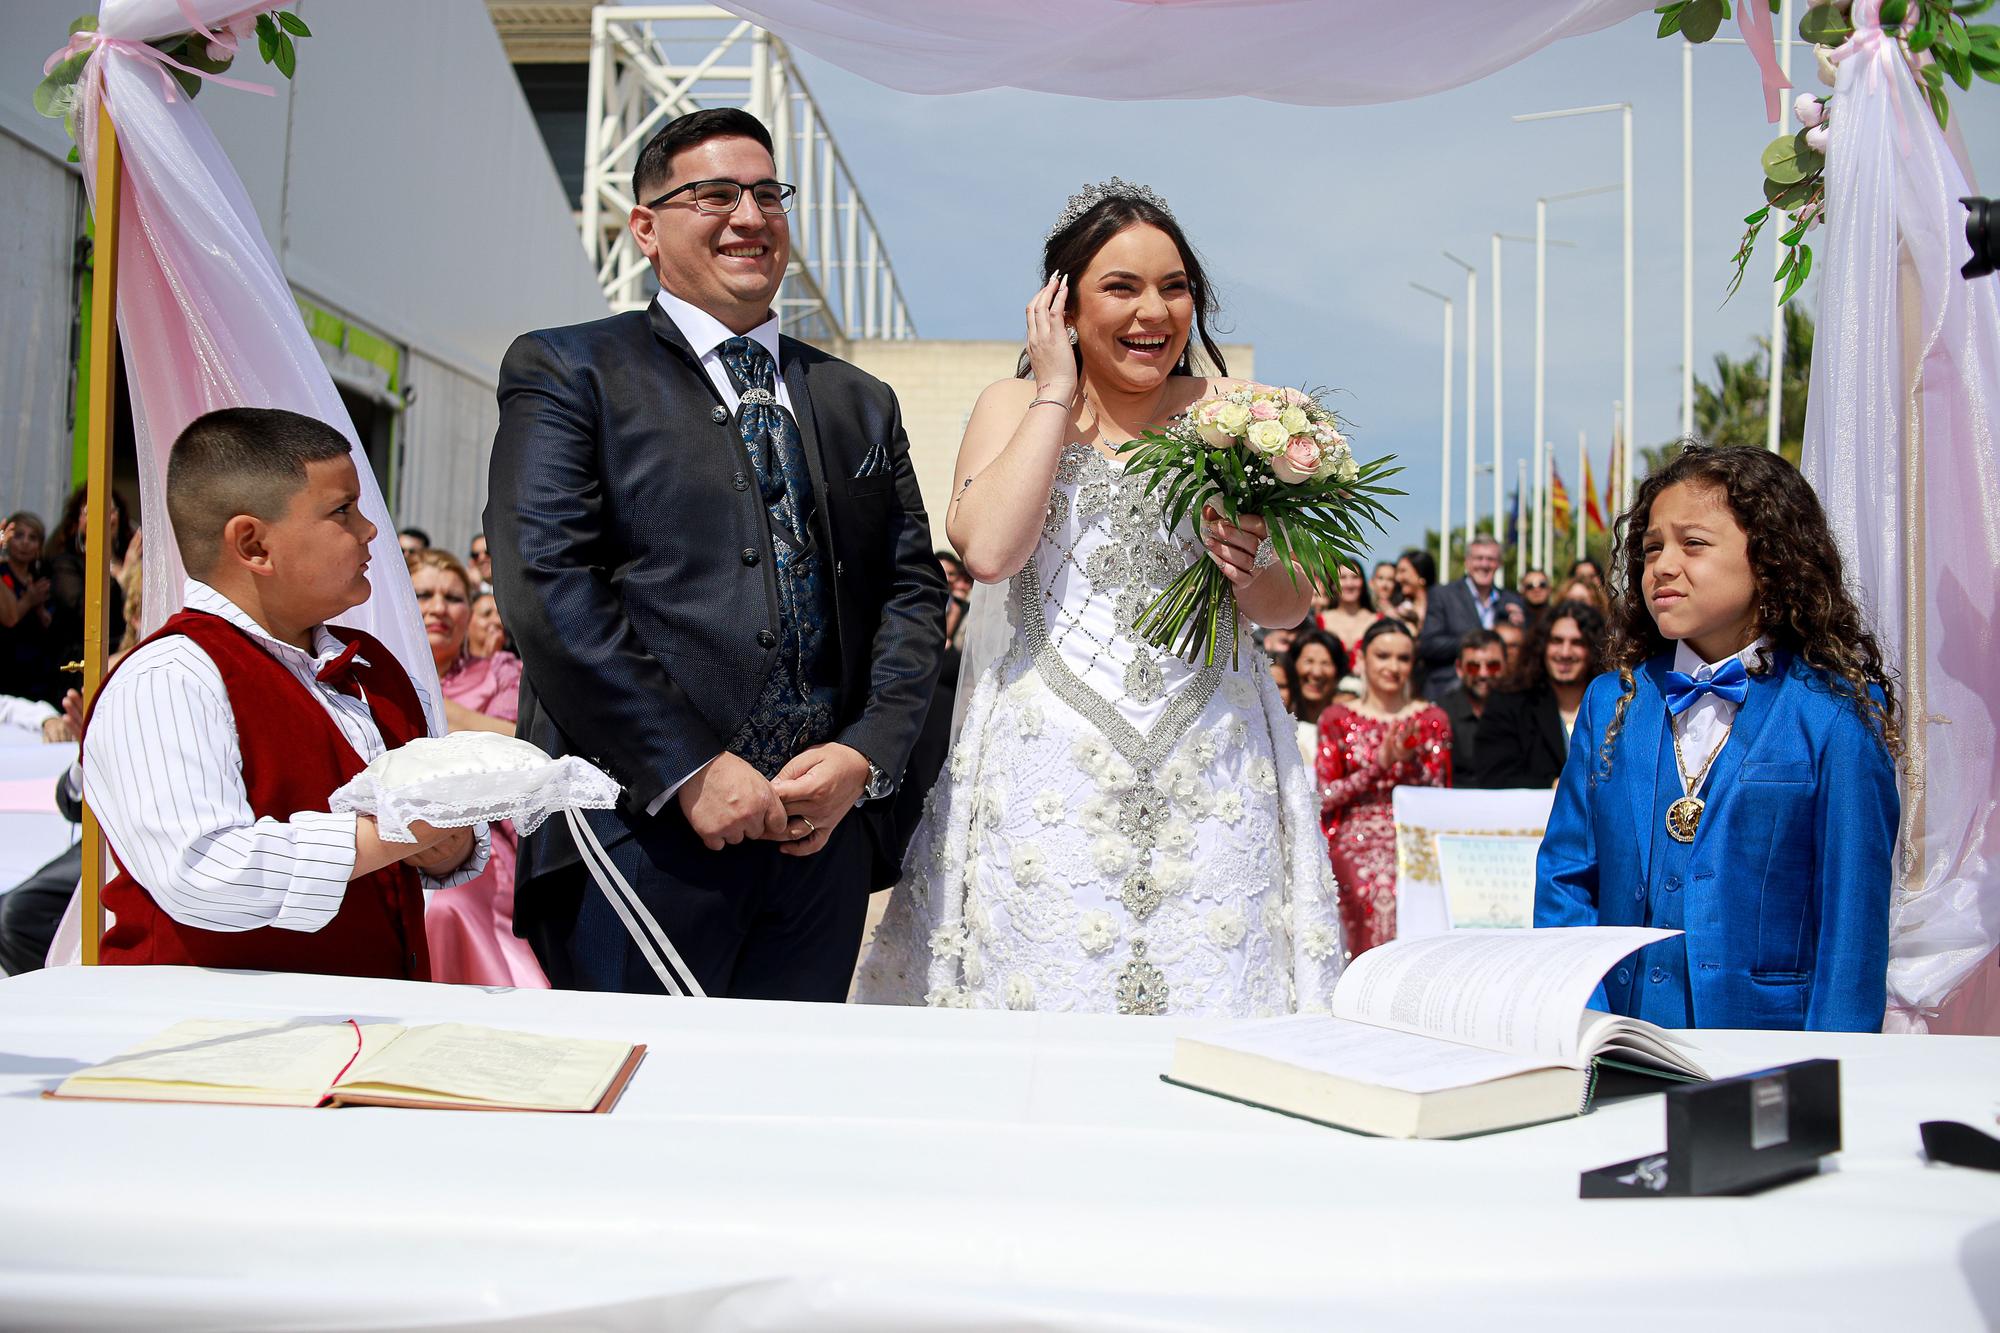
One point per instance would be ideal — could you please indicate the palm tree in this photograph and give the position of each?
(1732, 409)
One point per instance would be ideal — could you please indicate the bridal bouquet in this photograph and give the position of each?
(1276, 453)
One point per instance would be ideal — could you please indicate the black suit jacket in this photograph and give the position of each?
(1521, 741)
(633, 564)
(1449, 616)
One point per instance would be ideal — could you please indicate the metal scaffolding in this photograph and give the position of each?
(651, 63)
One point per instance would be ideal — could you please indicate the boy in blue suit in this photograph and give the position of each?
(1734, 776)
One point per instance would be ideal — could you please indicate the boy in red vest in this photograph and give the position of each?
(213, 747)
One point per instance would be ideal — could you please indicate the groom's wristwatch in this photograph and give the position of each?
(880, 784)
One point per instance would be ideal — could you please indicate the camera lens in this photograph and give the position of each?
(1982, 233)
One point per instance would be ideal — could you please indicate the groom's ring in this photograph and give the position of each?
(811, 828)
(1267, 555)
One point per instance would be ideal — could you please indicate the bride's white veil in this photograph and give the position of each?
(987, 638)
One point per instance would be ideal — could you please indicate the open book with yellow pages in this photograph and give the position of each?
(1444, 1035)
(314, 1062)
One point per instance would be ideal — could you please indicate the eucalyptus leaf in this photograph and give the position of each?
(1787, 160)
(1825, 25)
(1700, 20)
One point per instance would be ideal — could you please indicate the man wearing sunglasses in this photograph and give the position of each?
(715, 562)
(1481, 663)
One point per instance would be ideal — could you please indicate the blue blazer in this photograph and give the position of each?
(1788, 879)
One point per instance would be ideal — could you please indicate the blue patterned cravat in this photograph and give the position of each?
(1730, 681)
(795, 709)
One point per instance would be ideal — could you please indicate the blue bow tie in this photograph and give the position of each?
(1730, 682)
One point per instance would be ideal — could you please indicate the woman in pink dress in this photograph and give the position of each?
(471, 927)
(1384, 740)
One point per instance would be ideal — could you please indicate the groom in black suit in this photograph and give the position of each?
(710, 548)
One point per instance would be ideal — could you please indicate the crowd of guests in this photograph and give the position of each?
(1397, 680)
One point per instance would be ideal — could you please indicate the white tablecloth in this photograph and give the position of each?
(832, 1168)
(32, 832)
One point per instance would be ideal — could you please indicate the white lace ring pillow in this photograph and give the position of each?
(471, 777)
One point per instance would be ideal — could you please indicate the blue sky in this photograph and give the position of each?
(1313, 221)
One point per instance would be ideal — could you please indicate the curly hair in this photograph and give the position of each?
(1311, 636)
(1803, 604)
(1532, 671)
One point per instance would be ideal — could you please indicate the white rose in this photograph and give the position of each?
(1099, 815)
(1049, 806)
(1267, 437)
(1096, 932)
(1319, 943)
(1214, 436)
(1233, 417)
(1177, 837)
(1030, 866)
(1091, 755)
(1173, 875)
(1818, 137)
(1294, 420)
(1113, 857)
(1225, 927)
(1020, 992)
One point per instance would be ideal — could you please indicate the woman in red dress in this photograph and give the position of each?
(1385, 740)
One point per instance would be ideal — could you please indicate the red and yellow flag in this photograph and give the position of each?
(1592, 513)
(1560, 513)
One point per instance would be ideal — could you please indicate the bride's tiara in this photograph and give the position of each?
(1090, 196)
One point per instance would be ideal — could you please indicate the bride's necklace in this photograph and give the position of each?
(1098, 418)
(1684, 815)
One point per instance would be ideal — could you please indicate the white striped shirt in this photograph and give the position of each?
(164, 773)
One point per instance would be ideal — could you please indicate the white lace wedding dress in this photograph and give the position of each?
(1117, 830)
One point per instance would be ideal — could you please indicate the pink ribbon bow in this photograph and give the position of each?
(92, 41)
(1754, 17)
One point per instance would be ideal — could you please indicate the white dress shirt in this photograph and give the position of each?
(1706, 723)
(164, 772)
(705, 335)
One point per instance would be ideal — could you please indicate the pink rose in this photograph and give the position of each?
(1299, 460)
(1263, 410)
(1296, 398)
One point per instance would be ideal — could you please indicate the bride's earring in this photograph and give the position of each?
(1072, 335)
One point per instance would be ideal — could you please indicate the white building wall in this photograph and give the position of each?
(38, 215)
(447, 438)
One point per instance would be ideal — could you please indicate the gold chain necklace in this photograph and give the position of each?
(1684, 815)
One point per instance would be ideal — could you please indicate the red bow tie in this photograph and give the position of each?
(339, 672)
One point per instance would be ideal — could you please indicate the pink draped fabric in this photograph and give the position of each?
(206, 317)
(471, 927)
(1899, 443)
(1313, 52)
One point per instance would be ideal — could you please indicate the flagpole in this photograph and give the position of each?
(1444, 467)
(1579, 516)
(103, 373)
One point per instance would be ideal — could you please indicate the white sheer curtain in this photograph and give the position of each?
(206, 317)
(1315, 52)
(1899, 443)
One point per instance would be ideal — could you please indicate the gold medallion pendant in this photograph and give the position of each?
(1684, 818)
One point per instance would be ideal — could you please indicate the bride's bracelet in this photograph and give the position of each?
(1052, 402)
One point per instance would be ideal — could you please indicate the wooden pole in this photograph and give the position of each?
(103, 368)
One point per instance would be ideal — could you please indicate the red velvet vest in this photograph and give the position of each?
(294, 757)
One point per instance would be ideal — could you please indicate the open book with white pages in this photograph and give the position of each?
(1443, 1036)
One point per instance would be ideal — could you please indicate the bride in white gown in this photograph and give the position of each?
(1117, 830)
